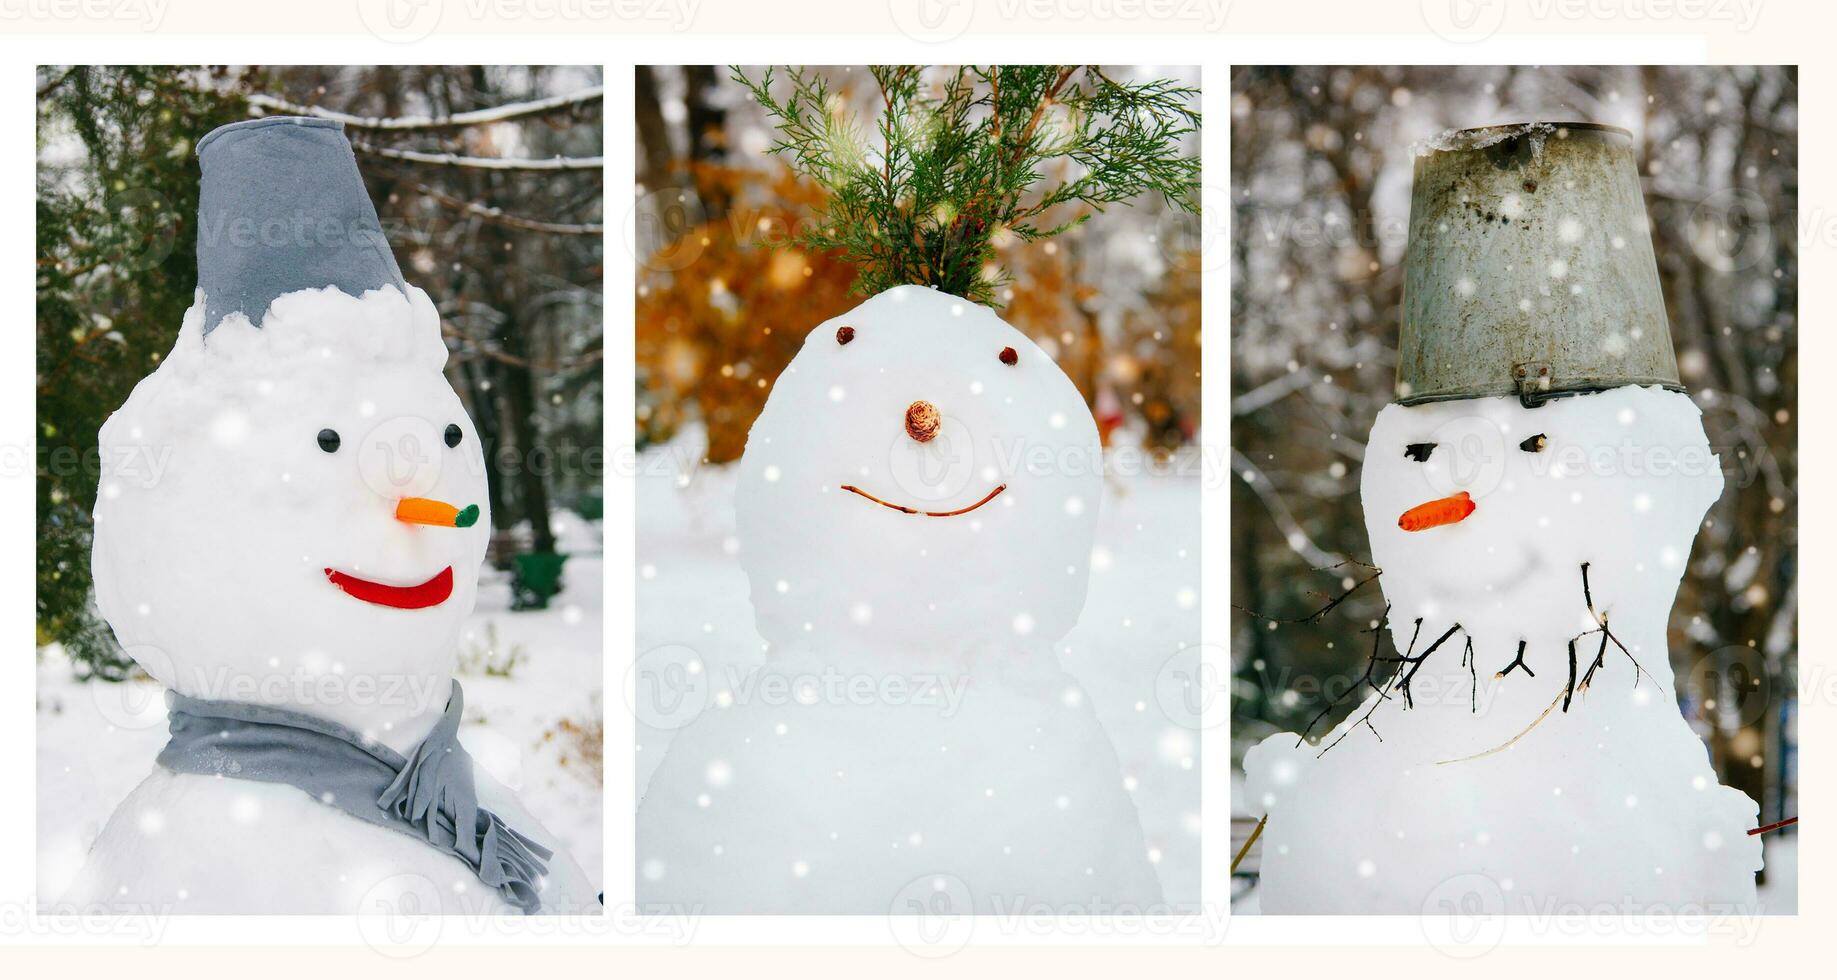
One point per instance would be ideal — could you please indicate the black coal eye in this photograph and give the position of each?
(1535, 444)
(1419, 451)
(453, 435)
(328, 440)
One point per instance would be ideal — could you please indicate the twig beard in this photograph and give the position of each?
(1409, 663)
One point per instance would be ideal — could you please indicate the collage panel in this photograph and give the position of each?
(1515, 510)
(918, 492)
(320, 502)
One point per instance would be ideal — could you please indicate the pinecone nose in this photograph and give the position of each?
(922, 421)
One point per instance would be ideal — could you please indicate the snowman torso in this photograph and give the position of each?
(916, 506)
(1517, 779)
(191, 844)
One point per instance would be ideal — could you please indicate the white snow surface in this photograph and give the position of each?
(911, 734)
(1486, 786)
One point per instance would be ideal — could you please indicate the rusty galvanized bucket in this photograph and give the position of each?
(1530, 269)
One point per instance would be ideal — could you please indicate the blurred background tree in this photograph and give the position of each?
(1321, 163)
(742, 251)
(489, 184)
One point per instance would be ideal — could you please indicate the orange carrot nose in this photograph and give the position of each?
(436, 513)
(1435, 513)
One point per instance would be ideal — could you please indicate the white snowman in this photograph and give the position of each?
(1518, 748)
(288, 536)
(916, 508)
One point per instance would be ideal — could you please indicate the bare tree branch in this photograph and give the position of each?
(479, 163)
(477, 117)
(488, 213)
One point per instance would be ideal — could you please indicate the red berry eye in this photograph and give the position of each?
(1009, 357)
(844, 334)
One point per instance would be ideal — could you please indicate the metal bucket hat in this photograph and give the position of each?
(1530, 270)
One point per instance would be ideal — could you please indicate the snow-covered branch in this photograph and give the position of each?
(479, 163)
(498, 216)
(476, 117)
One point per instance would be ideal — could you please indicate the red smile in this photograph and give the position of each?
(432, 592)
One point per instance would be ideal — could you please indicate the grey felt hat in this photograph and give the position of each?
(1530, 268)
(282, 208)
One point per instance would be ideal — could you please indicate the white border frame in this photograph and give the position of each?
(1214, 53)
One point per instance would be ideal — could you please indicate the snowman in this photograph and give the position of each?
(916, 507)
(1530, 498)
(288, 534)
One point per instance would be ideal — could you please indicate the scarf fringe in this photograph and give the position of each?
(434, 792)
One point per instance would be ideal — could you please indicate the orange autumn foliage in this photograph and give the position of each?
(725, 306)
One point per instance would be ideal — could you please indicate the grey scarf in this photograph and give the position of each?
(429, 795)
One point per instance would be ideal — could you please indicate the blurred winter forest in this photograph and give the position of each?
(1321, 165)
(724, 301)
(489, 185)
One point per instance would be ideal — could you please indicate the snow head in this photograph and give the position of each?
(281, 509)
(1482, 512)
(923, 477)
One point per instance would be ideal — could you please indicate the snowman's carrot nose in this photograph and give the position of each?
(1435, 513)
(438, 513)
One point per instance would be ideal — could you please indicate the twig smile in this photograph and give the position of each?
(927, 513)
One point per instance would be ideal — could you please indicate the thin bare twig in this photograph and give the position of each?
(456, 120)
(479, 163)
(1516, 664)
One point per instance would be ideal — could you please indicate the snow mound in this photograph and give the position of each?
(1452, 140)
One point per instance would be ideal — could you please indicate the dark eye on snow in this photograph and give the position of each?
(844, 334)
(1009, 357)
(328, 440)
(453, 435)
(1419, 451)
(1535, 444)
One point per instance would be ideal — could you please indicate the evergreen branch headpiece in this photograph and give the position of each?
(959, 157)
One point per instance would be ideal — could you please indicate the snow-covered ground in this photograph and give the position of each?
(537, 729)
(1142, 612)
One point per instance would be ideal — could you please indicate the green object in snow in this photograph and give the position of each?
(536, 579)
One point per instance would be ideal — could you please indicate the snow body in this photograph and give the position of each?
(1486, 789)
(218, 514)
(912, 723)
